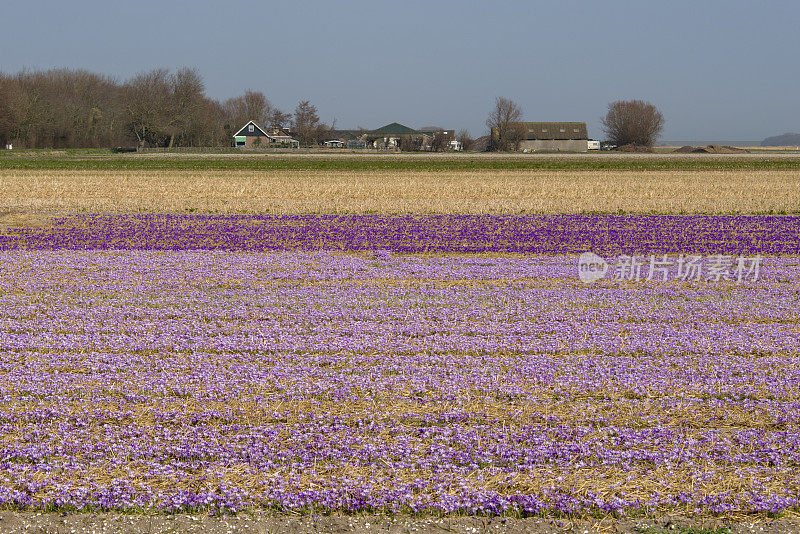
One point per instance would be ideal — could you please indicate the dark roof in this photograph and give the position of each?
(437, 129)
(274, 131)
(555, 130)
(258, 133)
(394, 128)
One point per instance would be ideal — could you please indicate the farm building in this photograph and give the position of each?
(283, 137)
(555, 137)
(396, 135)
(392, 135)
(251, 135)
(552, 136)
(439, 139)
(344, 138)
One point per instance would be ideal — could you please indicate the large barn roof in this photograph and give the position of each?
(394, 128)
(555, 130)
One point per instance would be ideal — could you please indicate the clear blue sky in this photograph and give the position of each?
(719, 70)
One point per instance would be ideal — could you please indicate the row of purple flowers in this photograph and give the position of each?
(548, 234)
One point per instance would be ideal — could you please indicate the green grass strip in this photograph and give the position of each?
(97, 161)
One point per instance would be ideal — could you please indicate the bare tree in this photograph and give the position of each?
(517, 132)
(210, 127)
(439, 141)
(505, 134)
(251, 106)
(306, 123)
(6, 122)
(148, 102)
(279, 119)
(257, 107)
(410, 143)
(633, 122)
(187, 101)
(86, 108)
(465, 139)
(34, 122)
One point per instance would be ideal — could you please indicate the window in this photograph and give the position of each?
(563, 130)
(575, 130)
(251, 128)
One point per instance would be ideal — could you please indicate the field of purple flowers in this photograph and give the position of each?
(539, 234)
(345, 373)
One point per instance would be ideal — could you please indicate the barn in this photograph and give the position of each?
(392, 135)
(550, 136)
(554, 137)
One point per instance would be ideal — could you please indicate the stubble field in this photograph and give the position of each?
(400, 342)
(402, 192)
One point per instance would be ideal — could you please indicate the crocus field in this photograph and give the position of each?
(431, 364)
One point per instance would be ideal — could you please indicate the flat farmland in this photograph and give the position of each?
(400, 339)
(375, 382)
(467, 184)
(400, 192)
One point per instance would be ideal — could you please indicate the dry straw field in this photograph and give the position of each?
(398, 191)
(36, 184)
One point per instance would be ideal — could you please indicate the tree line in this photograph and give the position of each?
(64, 108)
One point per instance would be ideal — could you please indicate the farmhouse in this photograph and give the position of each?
(552, 136)
(251, 135)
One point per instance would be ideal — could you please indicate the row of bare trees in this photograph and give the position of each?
(64, 108)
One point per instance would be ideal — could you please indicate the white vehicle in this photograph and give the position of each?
(593, 145)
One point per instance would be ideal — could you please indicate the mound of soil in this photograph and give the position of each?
(634, 148)
(711, 149)
(717, 149)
